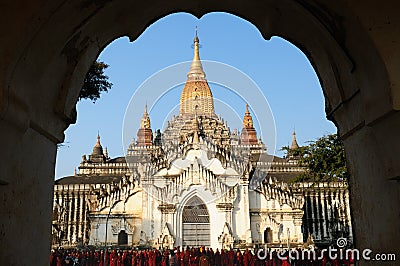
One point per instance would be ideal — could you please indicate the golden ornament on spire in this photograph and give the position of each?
(196, 69)
(98, 140)
(247, 119)
(145, 134)
(145, 123)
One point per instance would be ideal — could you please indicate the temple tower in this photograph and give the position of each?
(145, 134)
(97, 153)
(249, 134)
(196, 96)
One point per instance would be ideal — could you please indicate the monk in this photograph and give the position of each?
(231, 257)
(224, 258)
(217, 258)
(204, 260)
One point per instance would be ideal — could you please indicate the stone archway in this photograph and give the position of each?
(195, 223)
(352, 46)
(122, 238)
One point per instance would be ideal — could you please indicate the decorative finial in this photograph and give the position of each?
(145, 122)
(98, 139)
(249, 134)
(196, 38)
(247, 119)
(195, 125)
(196, 69)
(196, 129)
(106, 153)
(294, 141)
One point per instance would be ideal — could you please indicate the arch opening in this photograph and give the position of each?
(122, 238)
(286, 99)
(268, 235)
(195, 223)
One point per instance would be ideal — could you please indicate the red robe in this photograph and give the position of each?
(186, 258)
(231, 257)
(239, 259)
(59, 260)
(113, 259)
(133, 260)
(217, 258)
(99, 258)
(246, 258)
(224, 258)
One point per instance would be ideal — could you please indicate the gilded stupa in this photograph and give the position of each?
(196, 98)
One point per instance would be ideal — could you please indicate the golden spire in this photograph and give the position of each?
(196, 69)
(249, 134)
(247, 109)
(247, 119)
(145, 135)
(145, 123)
(196, 97)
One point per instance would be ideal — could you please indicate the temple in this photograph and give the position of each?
(196, 183)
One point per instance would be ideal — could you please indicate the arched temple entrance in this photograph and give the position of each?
(267, 235)
(195, 223)
(46, 51)
(122, 238)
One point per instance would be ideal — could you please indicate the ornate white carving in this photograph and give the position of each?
(226, 238)
(166, 239)
(122, 225)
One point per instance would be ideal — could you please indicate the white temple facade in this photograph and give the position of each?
(196, 183)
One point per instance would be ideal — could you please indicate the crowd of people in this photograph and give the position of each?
(201, 256)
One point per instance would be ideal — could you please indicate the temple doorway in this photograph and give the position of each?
(122, 238)
(267, 235)
(196, 223)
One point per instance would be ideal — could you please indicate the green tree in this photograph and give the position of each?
(95, 82)
(324, 160)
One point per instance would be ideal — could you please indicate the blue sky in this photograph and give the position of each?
(280, 69)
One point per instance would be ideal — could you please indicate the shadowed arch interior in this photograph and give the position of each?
(122, 238)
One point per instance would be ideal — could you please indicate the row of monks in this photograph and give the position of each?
(190, 257)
